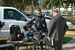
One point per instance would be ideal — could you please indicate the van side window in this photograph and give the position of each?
(8, 14)
(12, 14)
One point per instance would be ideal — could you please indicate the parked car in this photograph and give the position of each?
(11, 16)
(48, 19)
(70, 26)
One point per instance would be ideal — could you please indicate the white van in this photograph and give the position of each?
(11, 16)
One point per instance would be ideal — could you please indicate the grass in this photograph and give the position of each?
(67, 38)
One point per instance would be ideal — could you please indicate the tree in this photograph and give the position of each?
(53, 3)
(20, 4)
(13, 3)
(67, 4)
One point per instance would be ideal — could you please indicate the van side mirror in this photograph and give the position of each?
(24, 19)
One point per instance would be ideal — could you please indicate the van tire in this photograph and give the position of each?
(14, 32)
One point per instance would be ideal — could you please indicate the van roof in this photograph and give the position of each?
(7, 7)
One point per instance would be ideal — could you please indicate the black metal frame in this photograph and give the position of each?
(32, 45)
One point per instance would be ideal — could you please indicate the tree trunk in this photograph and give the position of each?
(59, 9)
(32, 7)
(24, 5)
(59, 6)
(66, 12)
(72, 12)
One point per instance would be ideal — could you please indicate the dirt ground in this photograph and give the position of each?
(70, 32)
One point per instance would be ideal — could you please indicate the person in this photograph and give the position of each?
(57, 30)
(40, 24)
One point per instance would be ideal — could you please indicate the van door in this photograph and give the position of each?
(12, 17)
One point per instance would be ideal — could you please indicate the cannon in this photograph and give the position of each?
(32, 34)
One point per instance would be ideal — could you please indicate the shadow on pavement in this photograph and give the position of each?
(66, 40)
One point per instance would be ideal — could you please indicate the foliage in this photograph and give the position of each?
(21, 4)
